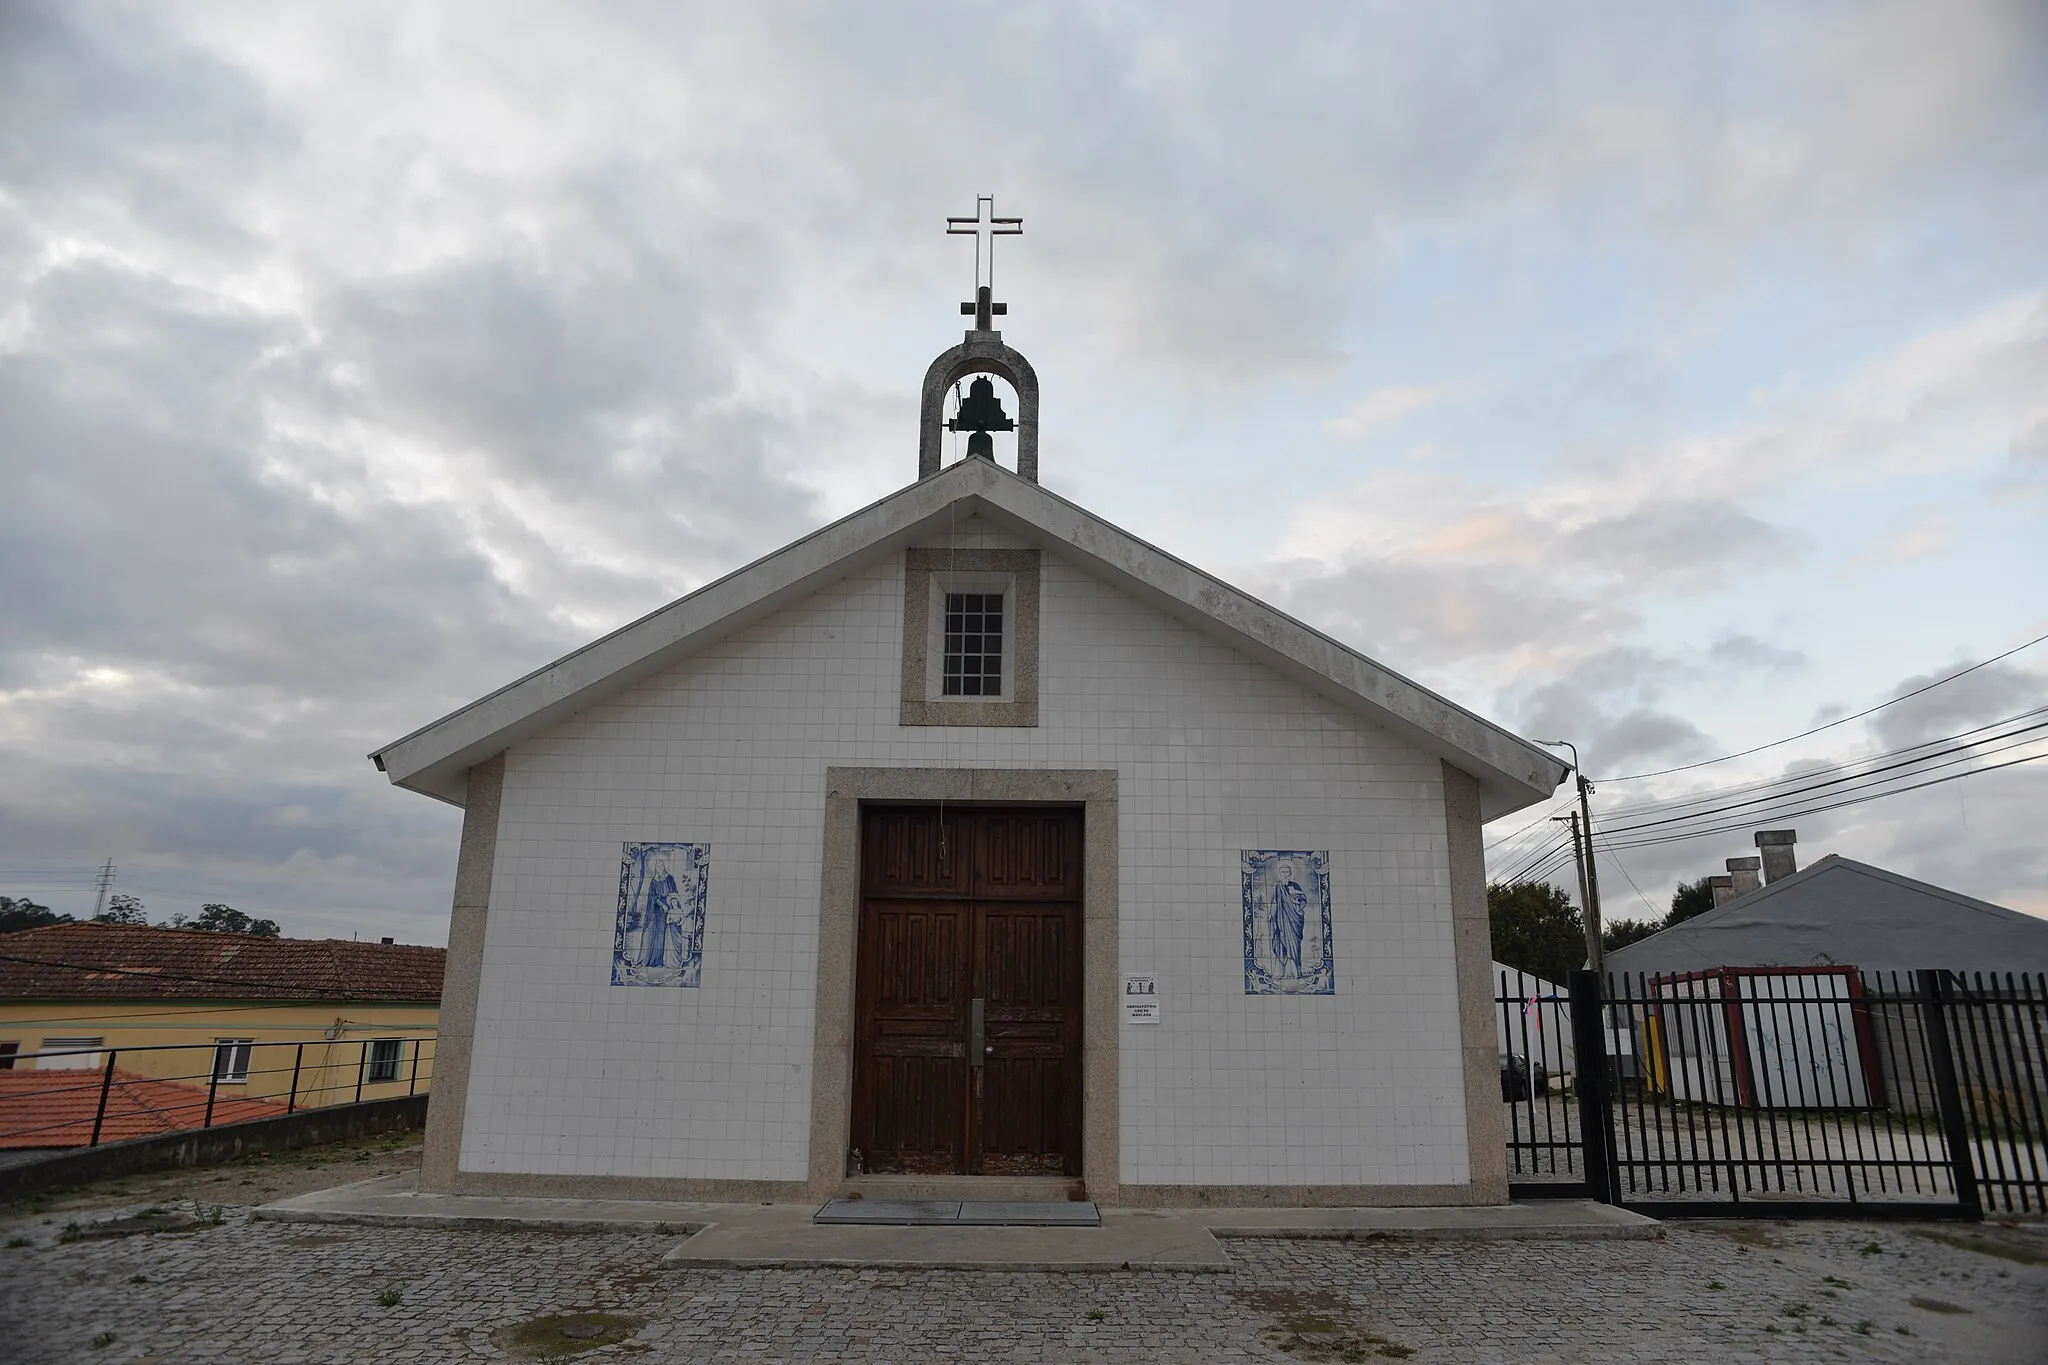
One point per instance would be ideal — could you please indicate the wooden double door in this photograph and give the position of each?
(967, 1043)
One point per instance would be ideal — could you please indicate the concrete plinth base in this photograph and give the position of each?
(785, 1236)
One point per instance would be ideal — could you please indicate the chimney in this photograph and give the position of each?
(1743, 873)
(1723, 889)
(385, 939)
(1776, 846)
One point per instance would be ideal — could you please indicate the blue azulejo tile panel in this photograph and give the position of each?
(660, 936)
(1287, 942)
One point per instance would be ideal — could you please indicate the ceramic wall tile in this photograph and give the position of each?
(1215, 755)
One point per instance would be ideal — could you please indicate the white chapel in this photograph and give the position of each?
(970, 842)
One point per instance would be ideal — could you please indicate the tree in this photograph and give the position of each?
(215, 918)
(23, 913)
(1622, 932)
(1691, 898)
(1536, 928)
(122, 908)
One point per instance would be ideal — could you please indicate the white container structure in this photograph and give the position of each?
(1533, 1018)
(1766, 1037)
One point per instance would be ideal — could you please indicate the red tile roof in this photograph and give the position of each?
(56, 1108)
(136, 962)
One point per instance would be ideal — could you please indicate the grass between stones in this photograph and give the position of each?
(558, 1336)
(1308, 1328)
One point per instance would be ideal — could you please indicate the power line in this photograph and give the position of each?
(1531, 825)
(1907, 696)
(1527, 860)
(1975, 751)
(1682, 835)
(1616, 860)
(1543, 870)
(1545, 862)
(1716, 793)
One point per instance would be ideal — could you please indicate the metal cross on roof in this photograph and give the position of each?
(984, 227)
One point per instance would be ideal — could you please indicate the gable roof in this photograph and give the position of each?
(141, 962)
(58, 1108)
(1843, 912)
(435, 760)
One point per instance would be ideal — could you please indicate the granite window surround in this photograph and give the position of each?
(928, 575)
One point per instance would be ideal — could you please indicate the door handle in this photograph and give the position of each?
(977, 1032)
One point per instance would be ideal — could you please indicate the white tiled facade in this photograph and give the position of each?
(1215, 754)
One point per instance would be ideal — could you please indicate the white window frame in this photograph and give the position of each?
(928, 576)
(230, 1051)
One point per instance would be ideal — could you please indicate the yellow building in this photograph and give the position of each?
(303, 1021)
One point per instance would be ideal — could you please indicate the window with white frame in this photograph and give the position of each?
(970, 637)
(231, 1060)
(385, 1056)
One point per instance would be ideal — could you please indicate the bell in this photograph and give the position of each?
(981, 411)
(982, 444)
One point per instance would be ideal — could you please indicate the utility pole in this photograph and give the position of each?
(1596, 953)
(1585, 897)
(1589, 868)
(106, 884)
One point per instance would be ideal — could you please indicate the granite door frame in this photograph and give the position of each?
(846, 790)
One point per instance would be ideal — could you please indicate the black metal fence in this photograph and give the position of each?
(1790, 1091)
(80, 1097)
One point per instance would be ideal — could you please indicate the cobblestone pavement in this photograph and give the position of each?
(290, 1293)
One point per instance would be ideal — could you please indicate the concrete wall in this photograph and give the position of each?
(572, 1077)
(212, 1146)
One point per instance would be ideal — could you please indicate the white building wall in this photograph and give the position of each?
(1215, 754)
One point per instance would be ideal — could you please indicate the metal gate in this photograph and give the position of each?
(1779, 1092)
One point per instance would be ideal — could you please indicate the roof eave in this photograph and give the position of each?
(435, 760)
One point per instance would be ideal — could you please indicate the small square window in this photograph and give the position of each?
(970, 641)
(8, 1052)
(974, 644)
(385, 1055)
(231, 1060)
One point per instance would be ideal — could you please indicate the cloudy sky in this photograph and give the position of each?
(1670, 379)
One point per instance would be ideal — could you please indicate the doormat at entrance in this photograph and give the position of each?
(958, 1213)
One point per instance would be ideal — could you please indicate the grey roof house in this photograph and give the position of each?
(1840, 912)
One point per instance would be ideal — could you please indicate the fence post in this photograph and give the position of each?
(362, 1064)
(1589, 1048)
(212, 1087)
(106, 1084)
(1948, 1095)
(413, 1086)
(291, 1105)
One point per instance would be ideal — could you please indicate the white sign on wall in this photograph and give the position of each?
(1141, 1000)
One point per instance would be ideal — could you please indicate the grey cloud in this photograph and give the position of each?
(1747, 652)
(1606, 705)
(1410, 613)
(1987, 695)
(217, 303)
(1691, 537)
(113, 115)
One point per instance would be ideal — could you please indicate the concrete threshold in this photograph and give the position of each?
(784, 1236)
(1537, 1220)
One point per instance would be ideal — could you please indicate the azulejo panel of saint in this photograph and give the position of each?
(659, 936)
(1289, 947)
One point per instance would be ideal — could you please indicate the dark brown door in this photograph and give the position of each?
(968, 1004)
